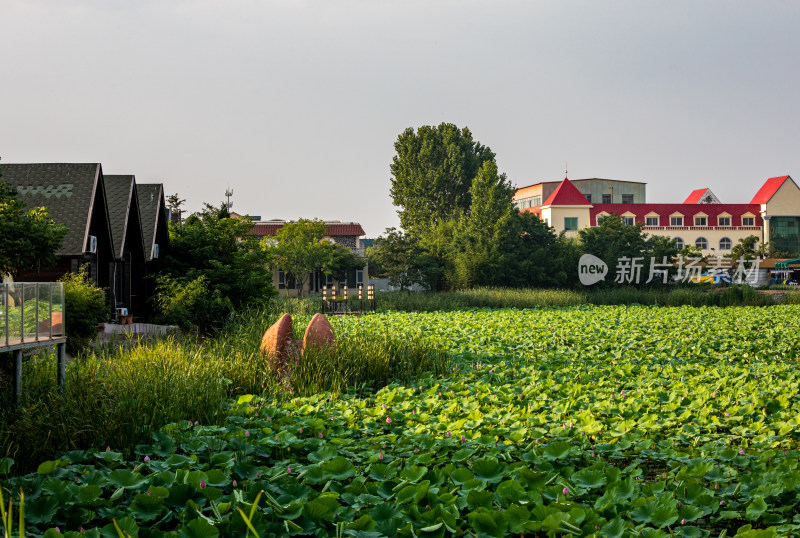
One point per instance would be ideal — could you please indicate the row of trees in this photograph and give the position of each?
(460, 228)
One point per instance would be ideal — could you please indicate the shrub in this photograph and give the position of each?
(85, 306)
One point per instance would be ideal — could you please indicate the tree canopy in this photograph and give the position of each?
(432, 173)
(215, 265)
(30, 238)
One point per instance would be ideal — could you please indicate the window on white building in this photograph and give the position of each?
(606, 198)
(701, 221)
(678, 242)
(723, 221)
(748, 221)
(628, 221)
(651, 221)
(627, 198)
(725, 243)
(701, 243)
(676, 221)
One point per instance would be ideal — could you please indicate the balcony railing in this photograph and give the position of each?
(30, 313)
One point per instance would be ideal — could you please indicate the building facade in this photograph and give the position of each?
(701, 220)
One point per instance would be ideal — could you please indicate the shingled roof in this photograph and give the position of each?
(67, 190)
(152, 209)
(122, 206)
(566, 194)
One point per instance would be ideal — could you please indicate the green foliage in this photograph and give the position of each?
(299, 248)
(401, 259)
(609, 426)
(215, 266)
(85, 306)
(29, 238)
(432, 173)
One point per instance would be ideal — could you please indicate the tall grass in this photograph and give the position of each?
(538, 298)
(118, 396)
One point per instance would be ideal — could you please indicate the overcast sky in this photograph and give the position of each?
(296, 105)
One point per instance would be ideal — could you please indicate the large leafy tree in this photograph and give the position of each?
(28, 238)
(612, 240)
(216, 265)
(432, 173)
(300, 248)
(403, 261)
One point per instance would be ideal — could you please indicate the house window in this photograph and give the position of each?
(678, 242)
(606, 198)
(359, 277)
(701, 221)
(627, 198)
(285, 281)
(748, 221)
(676, 221)
(701, 243)
(725, 243)
(628, 221)
(588, 197)
(651, 221)
(571, 224)
(723, 221)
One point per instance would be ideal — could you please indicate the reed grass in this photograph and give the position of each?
(119, 395)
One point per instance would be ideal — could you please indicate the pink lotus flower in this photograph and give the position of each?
(741, 452)
(683, 521)
(721, 503)
(146, 459)
(301, 429)
(319, 435)
(565, 491)
(288, 470)
(234, 483)
(388, 420)
(463, 439)
(202, 484)
(247, 433)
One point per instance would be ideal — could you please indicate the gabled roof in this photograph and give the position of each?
(768, 190)
(695, 196)
(153, 210)
(332, 229)
(702, 196)
(566, 194)
(67, 190)
(711, 211)
(122, 206)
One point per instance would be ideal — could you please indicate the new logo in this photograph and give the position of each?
(591, 269)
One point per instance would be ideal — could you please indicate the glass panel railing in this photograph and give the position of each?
(31, 312)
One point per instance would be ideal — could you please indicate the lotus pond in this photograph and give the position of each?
(585, 421)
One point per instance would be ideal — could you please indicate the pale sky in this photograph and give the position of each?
(296, 105)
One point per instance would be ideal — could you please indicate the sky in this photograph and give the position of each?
(296, 105)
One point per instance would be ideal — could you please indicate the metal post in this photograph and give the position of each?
(61, 354)
(50, 287)
(17, 375)
(36, 319)
(5, 305)
(22, 315)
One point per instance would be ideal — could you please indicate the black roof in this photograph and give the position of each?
(152, 209)
(120, 196)
(67, 190)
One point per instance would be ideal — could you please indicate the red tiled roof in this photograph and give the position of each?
(695, 196)
(263, 229)
(687, 210)
(566, 194)
(768, 189)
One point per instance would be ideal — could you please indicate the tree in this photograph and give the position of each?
(403, 261)
(220, 261)
(174, 203)
(745, 248)
(432, 172)
(612, 240)
(476, 259)
(29, 238)
(300, 249)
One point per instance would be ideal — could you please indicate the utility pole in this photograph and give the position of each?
(228, 194)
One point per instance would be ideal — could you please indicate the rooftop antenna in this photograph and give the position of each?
(566, 170)
(228, 194)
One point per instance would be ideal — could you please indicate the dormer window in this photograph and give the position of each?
(723, 221)
(676, 221)
(748, 221)
(701, 221)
